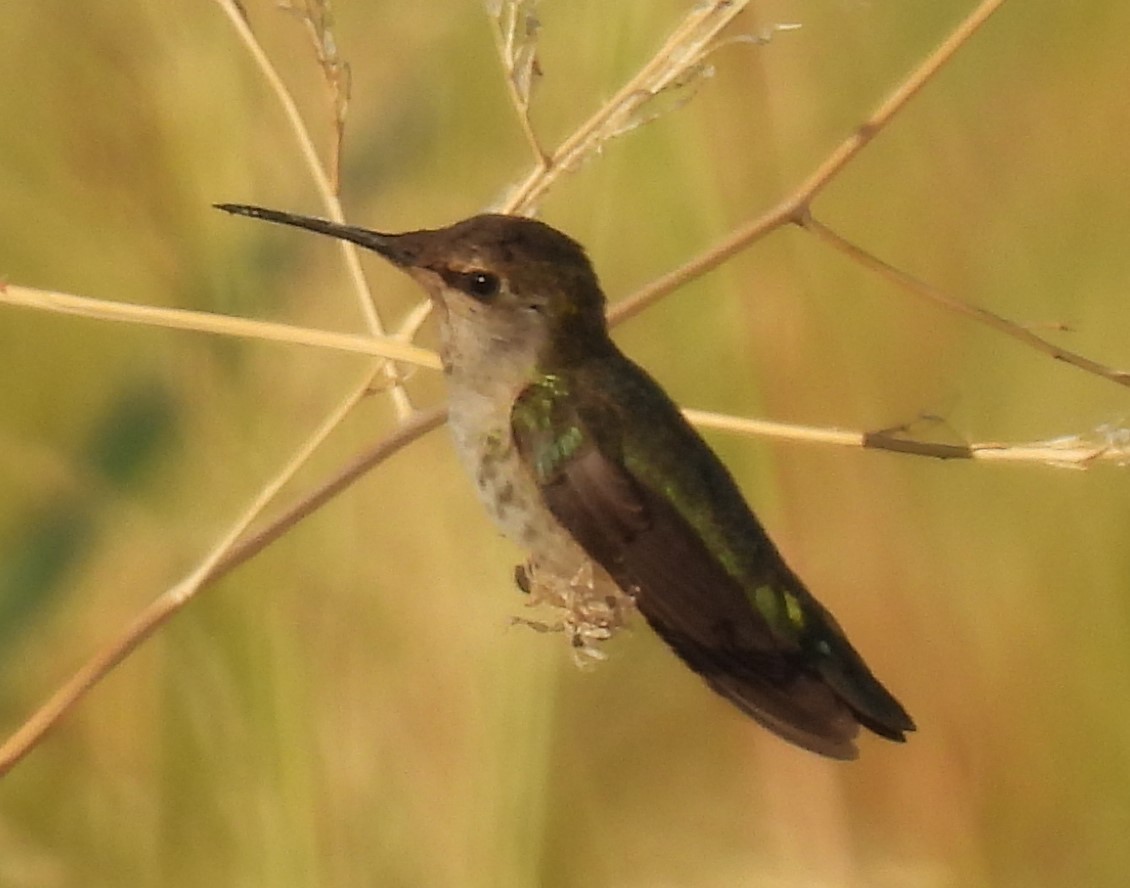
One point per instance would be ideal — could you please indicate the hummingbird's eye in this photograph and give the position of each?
(481, 284)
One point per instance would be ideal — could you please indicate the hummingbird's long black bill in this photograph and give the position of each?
(391, 246)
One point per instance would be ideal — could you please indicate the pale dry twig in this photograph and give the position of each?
(224, 325)
(516, 28)
(317, 16)
(794, 207)
(230, 551)
(322, 182)
(676, 65)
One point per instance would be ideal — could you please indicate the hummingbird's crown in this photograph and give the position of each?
(486, 254)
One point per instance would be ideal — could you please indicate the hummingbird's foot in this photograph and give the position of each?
(591, 606)
(522, 578)
(538, 625)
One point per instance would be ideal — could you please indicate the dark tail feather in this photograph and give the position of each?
(797, 706)
(873, 705)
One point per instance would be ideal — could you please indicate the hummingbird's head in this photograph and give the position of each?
(513, 283)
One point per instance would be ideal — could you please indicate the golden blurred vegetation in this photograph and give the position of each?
(351, 708)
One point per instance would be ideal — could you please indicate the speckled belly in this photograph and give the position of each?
(558, 574)
(507, 490)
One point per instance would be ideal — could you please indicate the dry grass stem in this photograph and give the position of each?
(896, 101)
(223, 325)
(795, 206)
(322, 183)
(222, 558)
(919, 288)
(1108, 444)
(157, 613)
(317, 16)
(678, 63)
(733, 243)
(516, 28)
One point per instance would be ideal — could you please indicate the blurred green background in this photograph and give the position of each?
(352, 708)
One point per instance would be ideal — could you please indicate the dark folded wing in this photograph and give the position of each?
(683, 589)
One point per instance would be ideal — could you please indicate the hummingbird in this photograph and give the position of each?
(585, 462)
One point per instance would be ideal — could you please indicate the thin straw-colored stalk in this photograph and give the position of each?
(690, 42)
(323, 184)
(933, 295)
(225, 555)
(1103, 446)
(795, 206)
(223, 325)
